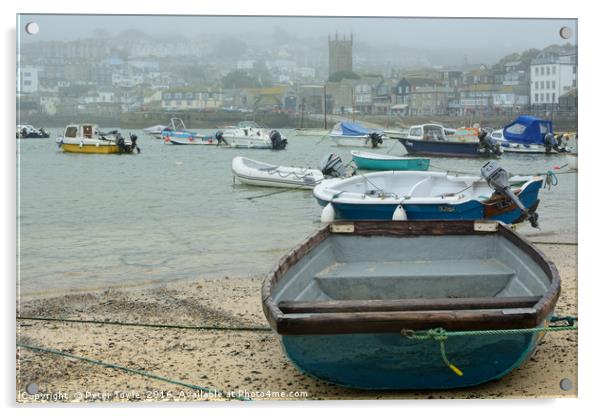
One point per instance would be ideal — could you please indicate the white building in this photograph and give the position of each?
(553, 73)
(27, 79)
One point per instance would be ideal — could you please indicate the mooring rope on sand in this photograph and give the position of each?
(441, 335)
(142, 373)
(147, 325)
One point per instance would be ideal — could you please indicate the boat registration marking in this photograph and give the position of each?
(342, 228)
(485, 226)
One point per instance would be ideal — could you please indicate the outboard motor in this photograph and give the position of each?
(119, 140)
(134, 139)
(278, 143)
(219, 136)
(333, 166)
(559, 146)
(375, 139)
(497, 179)
(488, 144)
(549, 142)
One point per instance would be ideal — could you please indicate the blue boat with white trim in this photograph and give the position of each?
(427, 196)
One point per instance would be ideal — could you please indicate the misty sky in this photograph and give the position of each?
(490, 36)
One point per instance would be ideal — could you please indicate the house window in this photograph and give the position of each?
(574, 69)
(574, 83)
(547, 85)
(548, 97)
(547, 70)
(553, 84)
(553, 97)
(536, 70)
(553, 70)
(536, 98)
(26, 82)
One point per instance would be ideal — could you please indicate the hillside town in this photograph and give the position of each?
(136, 74)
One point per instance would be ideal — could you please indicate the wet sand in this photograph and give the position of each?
(247, 362)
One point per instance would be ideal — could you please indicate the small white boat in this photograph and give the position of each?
(155, 131)
(248, 135)
(351, 134)
(253, 172)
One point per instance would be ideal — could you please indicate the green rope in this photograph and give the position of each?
(130, 370)
(441, 335)
(202, 327)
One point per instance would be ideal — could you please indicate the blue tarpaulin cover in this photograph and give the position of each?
(528, 130)
(353, 129)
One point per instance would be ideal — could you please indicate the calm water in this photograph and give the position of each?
(172, 212)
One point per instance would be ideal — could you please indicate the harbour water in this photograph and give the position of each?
(172, 212)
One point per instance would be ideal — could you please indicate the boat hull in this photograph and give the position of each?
(469, 210)
(353, 141)
(192, 141)
(390, 361)
(88, 148)
(441, 148)
(400, 164)
(272, 183)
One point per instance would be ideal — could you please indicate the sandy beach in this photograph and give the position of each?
(247, 362)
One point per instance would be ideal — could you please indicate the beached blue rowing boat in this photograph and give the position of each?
(344, 303)
(375, 161)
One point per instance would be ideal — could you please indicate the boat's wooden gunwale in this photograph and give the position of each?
(391, 321)
(377, 305)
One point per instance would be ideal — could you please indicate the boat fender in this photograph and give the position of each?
(97, 144)
(81, 144)
(399, 214)
(328, 214)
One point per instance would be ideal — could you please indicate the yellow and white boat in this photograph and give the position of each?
(87, 138)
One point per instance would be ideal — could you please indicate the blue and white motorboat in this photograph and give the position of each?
(528, 134)
(416, 195)
(351, 134)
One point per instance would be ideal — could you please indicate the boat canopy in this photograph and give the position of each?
(353, 129)
(528, 130)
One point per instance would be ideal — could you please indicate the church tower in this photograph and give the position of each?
(340, 54)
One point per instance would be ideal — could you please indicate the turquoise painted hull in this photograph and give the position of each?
(382, 164)
(389, 361)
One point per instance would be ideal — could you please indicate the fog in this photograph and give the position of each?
(484, 40)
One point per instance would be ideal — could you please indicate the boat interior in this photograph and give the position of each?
(413, 185)
(351, 273)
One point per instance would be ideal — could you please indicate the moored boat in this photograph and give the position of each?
(248, 135)
(376, 161)
(188, 138)
(87, 138)
(155, 131)
(431, 140)
(27, 131)
(351, 302)
(430, 196)
(528, 134)
(253, 172)
(351, 134)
